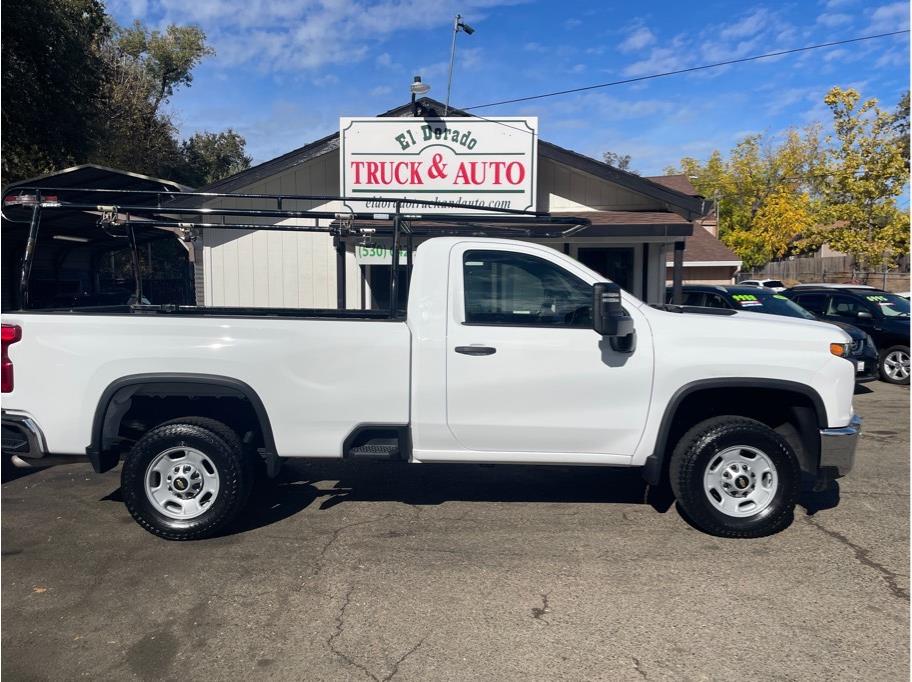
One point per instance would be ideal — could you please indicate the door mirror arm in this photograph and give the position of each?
(609, 318)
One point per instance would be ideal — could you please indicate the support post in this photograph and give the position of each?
(645, 280)
(29, 255)
(134, 257)
(677, 274)
(340, 272)
(394, 264)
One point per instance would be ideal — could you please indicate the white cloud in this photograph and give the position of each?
(327, 79)
(834, 19)
(572, 23)
(638, 39)
(578, 68)
(836, 4)
(892, 17)
(295, 35)
(748, 26)
(660, 59)
(381, 90)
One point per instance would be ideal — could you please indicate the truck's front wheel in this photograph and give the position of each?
(186, 479)
(735, 477)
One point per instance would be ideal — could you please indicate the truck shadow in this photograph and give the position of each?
(302, 484)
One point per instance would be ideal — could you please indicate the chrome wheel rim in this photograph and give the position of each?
(896, 365)
(740, 481)
(181, 483)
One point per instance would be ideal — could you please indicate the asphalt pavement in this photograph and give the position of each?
(373, 572)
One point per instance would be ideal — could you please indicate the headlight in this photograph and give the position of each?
(840, 349)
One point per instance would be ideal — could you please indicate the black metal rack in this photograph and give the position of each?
(164, 209)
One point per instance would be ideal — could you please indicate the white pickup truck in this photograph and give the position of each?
(510, 352)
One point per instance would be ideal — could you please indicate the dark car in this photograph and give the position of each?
(883, 315)
(759, 300)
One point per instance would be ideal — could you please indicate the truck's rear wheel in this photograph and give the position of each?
(735, 477)
(186, 479)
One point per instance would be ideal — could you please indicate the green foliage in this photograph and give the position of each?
(867, 169)
(79, 89)
(211, 156)
(52, 78)
(620, 161)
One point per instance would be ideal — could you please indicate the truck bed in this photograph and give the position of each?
(318, 375)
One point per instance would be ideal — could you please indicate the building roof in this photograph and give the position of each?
(703, 248)
(687, 205)
(679, 183)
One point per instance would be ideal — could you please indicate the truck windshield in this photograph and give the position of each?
(771, 304)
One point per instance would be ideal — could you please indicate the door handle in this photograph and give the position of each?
(476, 350)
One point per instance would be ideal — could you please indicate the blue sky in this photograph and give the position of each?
(285, 70)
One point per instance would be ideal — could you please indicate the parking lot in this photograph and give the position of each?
(463, 572)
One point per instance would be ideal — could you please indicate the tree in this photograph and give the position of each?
(211, 156)
(77, 88)
(144, 68)
(867, 168)
(783, 216)
(52, 78)
(621, 162)
(765, 191)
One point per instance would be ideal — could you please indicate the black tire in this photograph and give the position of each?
(223, 450)
(893, 352)
(699, 447)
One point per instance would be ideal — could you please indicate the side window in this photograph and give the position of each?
(715, 301)
(843, 306)
(816, 303)
(694, 298)
(508, 288)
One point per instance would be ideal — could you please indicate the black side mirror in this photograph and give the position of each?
(609, 318)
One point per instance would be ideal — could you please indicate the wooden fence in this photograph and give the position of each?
(832, 269)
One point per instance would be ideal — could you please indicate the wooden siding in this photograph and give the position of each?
(562, 188)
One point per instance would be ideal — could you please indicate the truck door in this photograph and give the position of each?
(525, 370)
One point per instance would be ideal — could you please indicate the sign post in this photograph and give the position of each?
(477, 163)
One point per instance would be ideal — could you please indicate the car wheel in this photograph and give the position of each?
(735, 477)
(186, 479)
(894, 365)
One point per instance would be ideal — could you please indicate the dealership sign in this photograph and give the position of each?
(484, 163)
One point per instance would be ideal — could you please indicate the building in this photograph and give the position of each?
(635, 224)
(706, 259)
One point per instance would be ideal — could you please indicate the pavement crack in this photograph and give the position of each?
(321, 556)
(408, 653)
(538, 613)
(863, 556)
(639, 668)
(339, 629)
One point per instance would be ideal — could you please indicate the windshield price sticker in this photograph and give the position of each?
(882, 300)
(747, 300)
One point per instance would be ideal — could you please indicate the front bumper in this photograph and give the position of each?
(837, 447)
(866, 365)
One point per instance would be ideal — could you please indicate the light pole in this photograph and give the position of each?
(458, 25)
(417, 88)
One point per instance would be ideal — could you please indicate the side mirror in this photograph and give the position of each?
(865, 315)
(609, 318)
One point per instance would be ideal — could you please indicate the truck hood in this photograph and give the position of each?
(748, 326)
